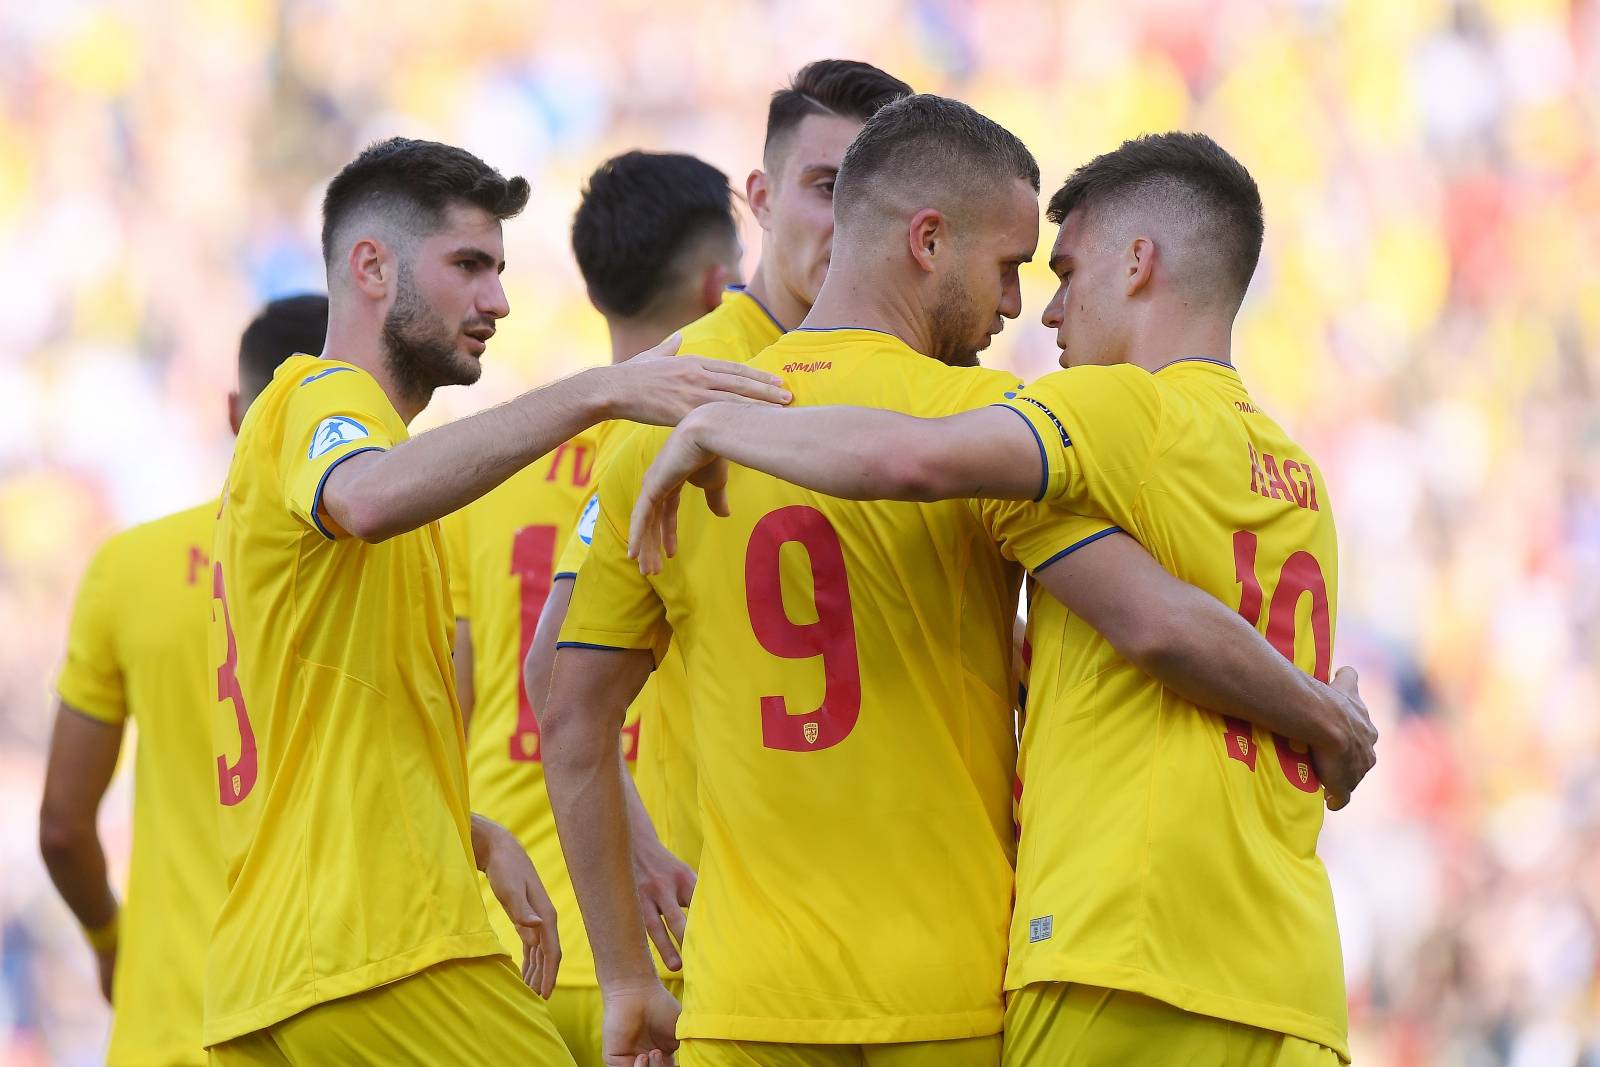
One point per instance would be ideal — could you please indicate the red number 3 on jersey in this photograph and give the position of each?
(235, 782)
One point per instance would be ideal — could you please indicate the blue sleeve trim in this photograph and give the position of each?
(323, 374)
(1044, 464)
(1070, 549)
(316, 500)
(559, 575)
(598, 648)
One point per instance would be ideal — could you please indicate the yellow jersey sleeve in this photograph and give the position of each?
(453, 528)
(1096, 428)
(1037, 535)
(333, 414)
(613, 605)
(91, 678)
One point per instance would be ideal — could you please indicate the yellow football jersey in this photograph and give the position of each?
(1165, 849)
(137, 649)
(501, 550)
(665, 775)
(850, 681)
(342, 768)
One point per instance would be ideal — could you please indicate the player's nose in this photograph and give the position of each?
(492, 300)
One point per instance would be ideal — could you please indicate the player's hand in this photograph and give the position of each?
(1342, 767)
(660, 388)
(106, 961)
(516, 885)
(640, 1026)
(653, 528)
(666, 885)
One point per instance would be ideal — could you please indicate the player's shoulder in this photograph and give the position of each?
(130, 551)
(736, 329)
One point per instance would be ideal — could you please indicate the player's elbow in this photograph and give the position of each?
(1156, 642)
(914, 474)
(63, 834)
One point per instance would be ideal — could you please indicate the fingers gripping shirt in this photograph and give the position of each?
(1167, 850)
(341, 770)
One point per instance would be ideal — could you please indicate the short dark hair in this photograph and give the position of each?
(844, 87)
(640, 212)
(284, 327)
(1188, 172)
(419, 179)
(924, 137)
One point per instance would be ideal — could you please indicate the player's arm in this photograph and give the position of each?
(503, 860)
(849, 452)
(590, 691)
(377, 493)
(78, 769)
(1193, 644)
(665, 883)
(466, 692)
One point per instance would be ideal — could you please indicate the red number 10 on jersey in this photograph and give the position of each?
(1301, 574)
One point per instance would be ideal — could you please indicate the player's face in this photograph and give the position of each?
(447, 298)
(1086, 306)
(982, 290)
(799, 214)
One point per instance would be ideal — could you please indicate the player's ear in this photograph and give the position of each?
(758, 194)
(713, 280)
(926, 237)
(1140, 264)
(235, 416)
(371, 267)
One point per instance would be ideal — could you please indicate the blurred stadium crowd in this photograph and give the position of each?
(1426, 320)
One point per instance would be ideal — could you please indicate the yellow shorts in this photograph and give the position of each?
(1059, 1024)
(459, 1011)
(961, 1052)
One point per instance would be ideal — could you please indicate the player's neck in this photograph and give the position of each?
(364, 349)
(867, 304)
(1160, 339)
(629, 337)
(780, 303)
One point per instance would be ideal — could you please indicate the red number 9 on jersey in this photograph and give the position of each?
(832, 636)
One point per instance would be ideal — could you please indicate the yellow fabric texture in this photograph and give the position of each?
(344, 818)
(851, 687)
(461, 1011)
(665, 770)
(1056, 1024)
(137, 649)
(957, 1052)
(1165, 850)
(501, 551)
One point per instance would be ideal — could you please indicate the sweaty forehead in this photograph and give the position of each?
(819, 141)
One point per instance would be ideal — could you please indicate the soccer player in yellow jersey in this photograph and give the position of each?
(137, 651)
(657, 243)
(850, 665)
(1171, 906)
(810, 122)
(352, 930)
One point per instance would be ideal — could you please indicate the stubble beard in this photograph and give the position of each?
(419, 347)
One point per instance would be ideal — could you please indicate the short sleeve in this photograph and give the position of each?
(576, 550)
(333, 414)
(1097, 429)
(453, 527)
(1037, 535)
(91, 678)
(613, 605)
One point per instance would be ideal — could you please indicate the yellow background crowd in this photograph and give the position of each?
(1426, 320)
